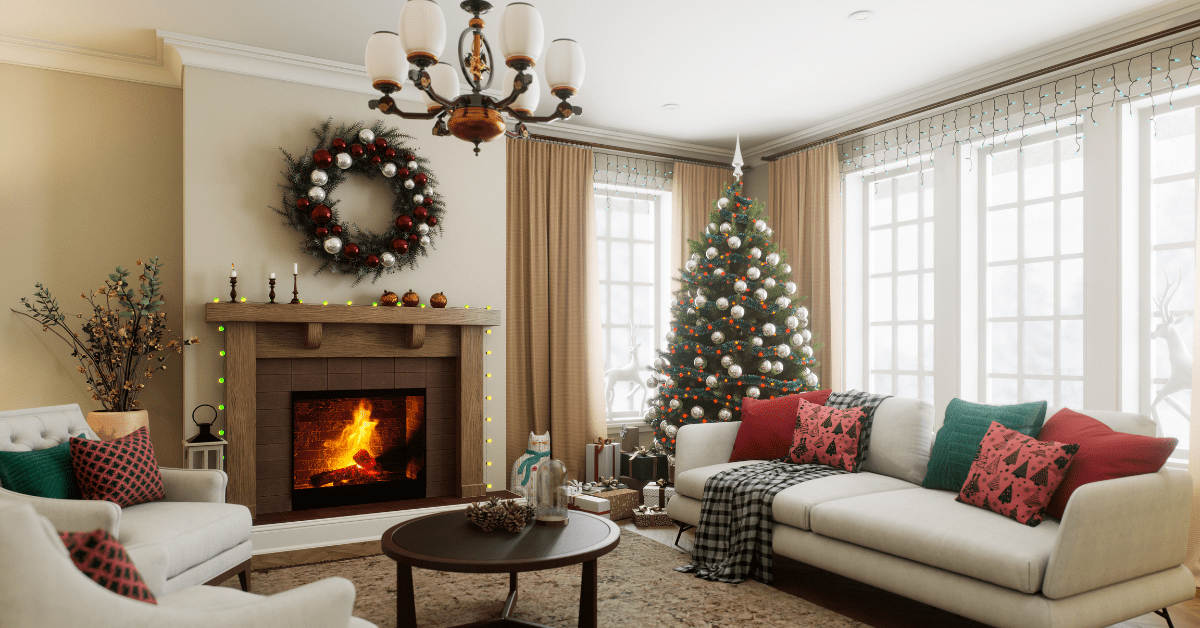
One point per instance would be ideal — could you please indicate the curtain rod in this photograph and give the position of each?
(1174, 30)
(621, 149)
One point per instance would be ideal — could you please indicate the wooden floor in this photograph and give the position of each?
(864, 603)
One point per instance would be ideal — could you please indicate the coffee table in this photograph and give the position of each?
(448, 542)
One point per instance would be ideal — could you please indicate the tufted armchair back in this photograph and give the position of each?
(29, 429)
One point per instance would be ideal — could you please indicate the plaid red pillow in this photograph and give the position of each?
(103, 559)
(122, 471)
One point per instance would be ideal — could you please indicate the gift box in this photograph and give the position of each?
(655, 495)
(603, 460)
(621, 503)
(647, 467)
(590, 503)
(629, 437)
(651, 517)
(634, 483)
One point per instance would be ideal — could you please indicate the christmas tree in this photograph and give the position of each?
(737, 328)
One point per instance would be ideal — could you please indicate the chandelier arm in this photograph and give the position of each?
(388, 106)
(563, 111)
(421, 80)
(519, 88)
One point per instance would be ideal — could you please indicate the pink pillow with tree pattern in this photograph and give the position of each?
(1015, 475)
(825, 435)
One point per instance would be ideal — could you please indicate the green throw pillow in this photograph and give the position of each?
(41, 473)
(966, 424)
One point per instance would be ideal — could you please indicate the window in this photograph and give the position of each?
(1032, 228)
(632, 225)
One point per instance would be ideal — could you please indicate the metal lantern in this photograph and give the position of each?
(205, 450)
(551, 499)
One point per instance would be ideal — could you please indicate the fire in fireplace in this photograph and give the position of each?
(357, 447)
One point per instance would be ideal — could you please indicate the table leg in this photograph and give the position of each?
(511, 602)
(588, 591)
(406, 605)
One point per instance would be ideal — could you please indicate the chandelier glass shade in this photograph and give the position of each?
(473, 116)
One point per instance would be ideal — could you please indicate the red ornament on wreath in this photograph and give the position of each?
(322, 158)
(372, 261)
(356, 150)
(420, 178)
(322, 232)
(389, 153)
(381, 142)
(404, 223)
(413, 237)
(403, 173)
(428, 202)
(420, 213)
(432, 221)
(321, 214)
(350, 250)
(302, 204)
(339, 144)
(400, 245)
(335, 230)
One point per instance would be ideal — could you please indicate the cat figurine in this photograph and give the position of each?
(524, 470)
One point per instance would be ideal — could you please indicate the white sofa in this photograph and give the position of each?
(191, 537)
(1117, 553)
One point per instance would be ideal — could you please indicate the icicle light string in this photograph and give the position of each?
(1043, 105)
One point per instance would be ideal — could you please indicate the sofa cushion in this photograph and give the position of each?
(191, 532)
(828, 436)
(1015, 475)
(40, 473)
(858, 399)
(767, 424)
(122, 470)
(691, 482)
(957, 442)
(901, 437)
(1104, 454)
(930, 527)
(102, 558)
(792, 505)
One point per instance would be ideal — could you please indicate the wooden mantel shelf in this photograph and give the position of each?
(225, 312)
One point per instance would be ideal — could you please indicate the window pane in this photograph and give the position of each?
(906, 349)
(601, 217)
(881, 299)
(643, 219)
(906, 297)
(605, 306)
(1039, 230)
(927, 245)
(1071, 223)
(1002, 235)
(881, 347)
(620, 304)
(619, 217)
(643, 261)
(620, 260)
(1004, 347)
(1071, 166)
(928, 348)
(906, 386)
(1175, 211)
(602, 260)
(1039, 347)
(881, 251)
(906, 248)
(1071, 286)
(1174, 140)
(881, 203)
(643, 307)
(1039, 289)
(1038, 390)
(1071, 356)
(1173, 263)
(1039, 170)
(1002, 179)
(1003, 298)
(927, 314)
(883, 385)
(927, 202)
(906, 197)
(1072, 394)
(927, 388)
(1003, 390)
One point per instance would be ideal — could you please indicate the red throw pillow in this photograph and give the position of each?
(103, 559)
(122, 470)
(767, 425)
(1014, 475)
(1104, 453)
(826, 435)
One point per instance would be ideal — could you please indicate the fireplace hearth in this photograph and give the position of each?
(357, 447)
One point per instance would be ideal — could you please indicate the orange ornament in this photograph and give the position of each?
(438, 300)
(389, 298)
(411, 299)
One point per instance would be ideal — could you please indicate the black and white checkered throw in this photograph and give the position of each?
(858, 399)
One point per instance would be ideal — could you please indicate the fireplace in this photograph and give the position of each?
(357, 447)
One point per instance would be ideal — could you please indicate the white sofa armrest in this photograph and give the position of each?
(72, 515)
(1119, 529)
(151, 562)
(704, 444)
(194, 485)
(327, 602)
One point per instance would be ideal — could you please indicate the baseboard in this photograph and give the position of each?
(299, 535)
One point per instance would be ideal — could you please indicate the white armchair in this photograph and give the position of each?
(41, 587)
(191, 537)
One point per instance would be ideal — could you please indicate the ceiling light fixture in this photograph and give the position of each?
(672, 106)
(860, 16)
(474, 117)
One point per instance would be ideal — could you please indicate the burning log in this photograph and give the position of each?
(364, 470)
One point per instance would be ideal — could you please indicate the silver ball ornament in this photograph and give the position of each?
(760, 226)
(344, 160)
(802, 312)
(792, 322)
(807, 336)
(756, 341)
(783, 351)
(412, 166)
(651, 383)
(783, 302)
(691, 311)
(737, 311)
(319, 177)
(726, 227)
(367, 136)
(764, 366)
(769, 283)
(695, 257)
(425, 241)
(671, 431)
(726, 361)
(418, 198)
(789, 287)
(755, 253)
(699, 300)
(787, 268)
(722, 303)
(700, 362)
(701, 321)
(735, 370)
(777, 367)
(739, 286)
(408, 184)
(722, 202)
(812, 381)
(772, 258)
(718, 337)
(651, 412)
(711, 252)
(332, 245)
(806, 351)
(753, 392)
(700, 290)
(711, 228)
(797, 340)
(770, 232)
(691, 266)
(753, 273)
(711, 381)
(659, 363)
(768, 329)
(697, 412)
(669, 383)
(670, 336)
(316, 194)
(663, 425)
(388, 169)
(388, 259)
(674, 403)
(422, 228)
(760, 294)
(724, 414)
(734, 242)
(719, 272)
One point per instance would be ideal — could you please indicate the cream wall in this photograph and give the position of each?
(92, 180)
(233, 127)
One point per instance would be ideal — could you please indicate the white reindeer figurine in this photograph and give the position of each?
(1179, 355)
(631, 372)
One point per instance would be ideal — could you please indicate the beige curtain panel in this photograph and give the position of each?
(804, 209)
(554, 366)
(696, 187)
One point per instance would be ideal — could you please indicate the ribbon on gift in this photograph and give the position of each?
(662, 493)
(599, 446)
(531, 462)
(609, 483)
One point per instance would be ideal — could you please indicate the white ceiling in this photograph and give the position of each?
(762, 68)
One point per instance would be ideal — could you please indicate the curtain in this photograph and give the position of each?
(696, 188)
(804, 209)
(554, 368)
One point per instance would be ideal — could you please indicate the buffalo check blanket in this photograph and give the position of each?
(733, 540)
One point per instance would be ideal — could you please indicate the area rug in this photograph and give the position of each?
(637, 588)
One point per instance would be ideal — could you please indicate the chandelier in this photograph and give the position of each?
(475, 116)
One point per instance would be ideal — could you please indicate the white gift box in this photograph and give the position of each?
(592, 504)
(602, 461)
(650, 495)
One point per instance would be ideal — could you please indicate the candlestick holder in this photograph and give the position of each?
(272, 295)
(295, 290)
(233, 289)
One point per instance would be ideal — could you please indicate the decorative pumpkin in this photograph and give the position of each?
(410, 299)
(438, 300)
(389, 298)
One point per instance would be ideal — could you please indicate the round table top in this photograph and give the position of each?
(448, 542)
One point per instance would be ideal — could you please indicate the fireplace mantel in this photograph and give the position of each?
(284, 330)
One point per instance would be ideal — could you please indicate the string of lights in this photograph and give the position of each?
(1064, 104)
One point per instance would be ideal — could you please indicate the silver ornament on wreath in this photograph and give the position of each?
(344, 160)
(772, 258)
(699, 300)
(739, 286)
(764, 366)
(663, 425)
(812, 381)
(792, 322)
(425, 241)
(807, 336)
(797, 340)
(367, 136)
(719, 272)
(783, 351)
(408, 184)
(726, 227)
(319, 177)
(789, 287)
(412, 166)
(651, 382)
(806, 351)
(802, 312)
(387, 259)
(760, 226)
(753, 392)
(418, 198)
(777, 367)
(332, 245)
(756, 341)
(674, 403)
(783, 302)
(769, 283)
(695, 257)
(671, 431)
(724, 414)
(422, 228)
(388, 169)
(316, 194)
(787, 269)
(712, 228)
(670, 336)
(659, 363)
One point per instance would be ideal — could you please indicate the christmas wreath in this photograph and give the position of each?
(309, 206)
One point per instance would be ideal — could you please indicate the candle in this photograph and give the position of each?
(272, 275)
(295, 269)
(233, 272)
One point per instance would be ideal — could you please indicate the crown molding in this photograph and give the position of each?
(53, 55)
(1103, 36)
(583, 133)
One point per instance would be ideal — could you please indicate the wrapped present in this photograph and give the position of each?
(644, 465)
(657, 494)
(629, 437)
(651, 517)
(634, 483)
(622, 502)
(590, 503)
(671, 469)
(603, 460)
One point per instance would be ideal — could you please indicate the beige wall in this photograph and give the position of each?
(234, 125)
(92, 179)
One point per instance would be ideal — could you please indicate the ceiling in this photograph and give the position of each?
(761, 68)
